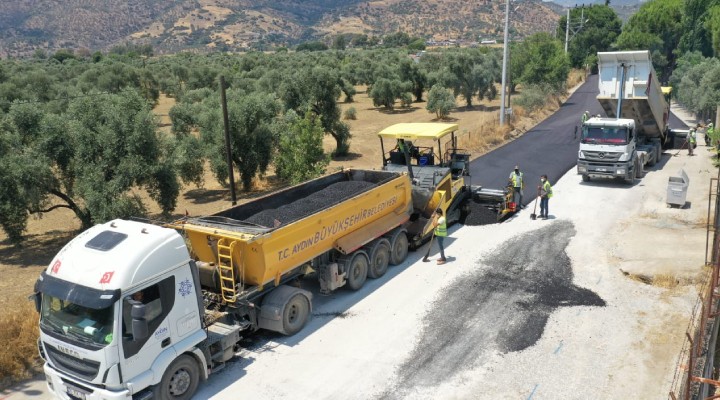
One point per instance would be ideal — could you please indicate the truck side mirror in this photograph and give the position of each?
(37, 299)
(138, 310)
(139, 329)
(139, 323)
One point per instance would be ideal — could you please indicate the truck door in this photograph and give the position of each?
(139, 353)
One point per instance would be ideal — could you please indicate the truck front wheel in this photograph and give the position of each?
(180, 380)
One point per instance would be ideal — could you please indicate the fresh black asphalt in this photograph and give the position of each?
(550, 148)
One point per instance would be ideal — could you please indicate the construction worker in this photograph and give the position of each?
(406, 149)
(546, 193)
(585, 117)
(440, 225)
(516, 178)
(691, 140)
(709, 132)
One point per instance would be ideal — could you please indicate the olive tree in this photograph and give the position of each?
(440, 101)
(90, 160)
(300, 154)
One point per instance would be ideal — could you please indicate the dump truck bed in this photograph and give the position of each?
(643, 99)
(268, 237)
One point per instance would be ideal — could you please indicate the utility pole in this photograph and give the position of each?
(576, 28)
(567, 30)
(228, 152)
(505, 60)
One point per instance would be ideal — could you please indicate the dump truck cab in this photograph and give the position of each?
(117, 305)
(438, 169)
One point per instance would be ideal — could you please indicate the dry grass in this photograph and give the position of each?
(18, 335)
(666, 281)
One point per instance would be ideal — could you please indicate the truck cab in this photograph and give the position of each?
(607, 149)
(118, 305)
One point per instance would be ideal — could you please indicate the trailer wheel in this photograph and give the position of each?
(179, 381)
(295, 314)
(379, 258)
(399, 248)
(357, 270)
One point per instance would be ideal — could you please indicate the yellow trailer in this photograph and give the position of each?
(343, 227)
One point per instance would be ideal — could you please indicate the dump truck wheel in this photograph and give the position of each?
(357, 270)
(379, 258)
(180, 380)
(399, 247)
(639, 169)
(295, 314)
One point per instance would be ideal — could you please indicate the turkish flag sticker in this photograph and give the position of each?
(107, 277)
(55, 267)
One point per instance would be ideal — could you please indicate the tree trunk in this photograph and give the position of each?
(83, 215)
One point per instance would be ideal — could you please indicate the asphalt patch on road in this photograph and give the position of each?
(503, 306)
(479, 214)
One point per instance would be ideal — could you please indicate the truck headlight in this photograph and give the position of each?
(620, 171)
(582, 169)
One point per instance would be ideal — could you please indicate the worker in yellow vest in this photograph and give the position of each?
(516, 179)
(545, 194)
(585, 117)
(440, 232)
(692, 140)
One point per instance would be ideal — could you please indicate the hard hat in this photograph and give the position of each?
(516, 167)
(587, 111)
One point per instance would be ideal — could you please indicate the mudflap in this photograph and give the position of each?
(273, 306)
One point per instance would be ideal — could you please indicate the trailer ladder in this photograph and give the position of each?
(227, 270)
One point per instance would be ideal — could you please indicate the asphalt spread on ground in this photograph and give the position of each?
(550, 148)
(501, 306)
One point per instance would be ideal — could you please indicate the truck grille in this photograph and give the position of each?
(602, 156)
(80, 368)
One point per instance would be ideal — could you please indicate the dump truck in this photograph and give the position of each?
(136, 309)
(636, 130)
(440, 174)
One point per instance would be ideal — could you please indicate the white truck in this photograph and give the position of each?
(636, 130)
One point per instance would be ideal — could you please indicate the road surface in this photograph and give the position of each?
(550, 148)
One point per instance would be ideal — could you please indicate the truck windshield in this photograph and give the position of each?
(604, 135)
(90, 327)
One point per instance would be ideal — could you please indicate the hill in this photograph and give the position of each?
(28, 25)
